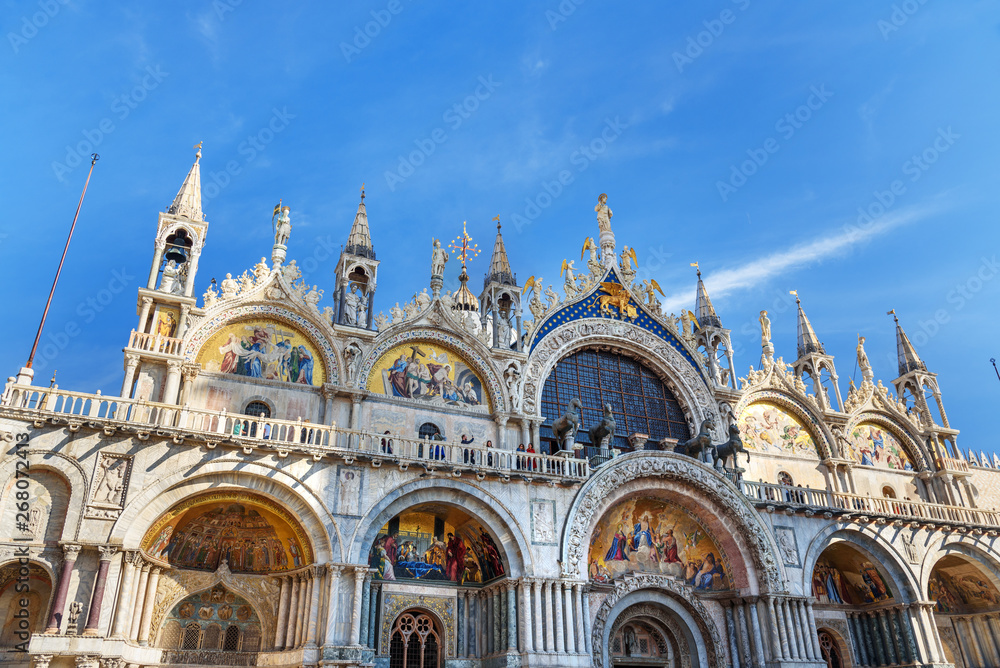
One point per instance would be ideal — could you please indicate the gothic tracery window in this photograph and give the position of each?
(640, 401)
(415, 642)
(831, 653)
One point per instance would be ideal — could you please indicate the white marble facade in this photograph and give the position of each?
(857, 534)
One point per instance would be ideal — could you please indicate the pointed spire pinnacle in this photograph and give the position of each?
(499, 269)
(905, 352)
(807, 340)
(359, 241)
(187, 203)
(703, 305)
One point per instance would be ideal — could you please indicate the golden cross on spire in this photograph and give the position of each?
(466, 251)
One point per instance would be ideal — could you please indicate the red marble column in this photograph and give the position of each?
(70, 553)
(97, 598)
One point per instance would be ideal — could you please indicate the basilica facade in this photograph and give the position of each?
(534, 475)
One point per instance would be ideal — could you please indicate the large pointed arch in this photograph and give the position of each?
(610, 483)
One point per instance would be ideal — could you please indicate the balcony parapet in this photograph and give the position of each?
(283, 437)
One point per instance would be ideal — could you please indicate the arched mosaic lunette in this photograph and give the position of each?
(784, 400)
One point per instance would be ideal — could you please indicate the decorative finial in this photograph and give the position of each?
(796, 293)
(197, 156)
(362, 192)
(892, 312)
(697, 268)
(461, 244)
(497, 218)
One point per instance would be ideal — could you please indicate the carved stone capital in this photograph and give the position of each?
(71, 551)
(41, 660)
(107, 552)
(174, 366)
(131, 360)
(190, 371)
(147, 301)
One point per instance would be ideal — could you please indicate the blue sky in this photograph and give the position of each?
(744, 135)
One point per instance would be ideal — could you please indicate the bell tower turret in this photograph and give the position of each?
(500, 301)
(357, 271)
(813, 360)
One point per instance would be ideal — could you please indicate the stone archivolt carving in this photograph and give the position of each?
(590, 332)
(644, 464)
(260, 590)
(680, 591)
(654, 616)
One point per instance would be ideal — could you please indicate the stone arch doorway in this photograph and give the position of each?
(689, 637)
(416, 641)
(211, 621)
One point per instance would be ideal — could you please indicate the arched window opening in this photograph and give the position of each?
(192, 636)
(258, 409)
(831, 652)
(431, 431)
(213, 634)
(415, 642)
(232, 641)
(888, 492)
(640, 401)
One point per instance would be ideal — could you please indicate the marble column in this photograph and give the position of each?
(131, 365)
(781, 633)
(467, 618)
(550, 644)
(887, 637)
(137, 601)
(813, 630)
(123, 608)
(333, 604)
(800, 638)
(373, 614)
(871, 628)
(281, 626)
(802, 622)
(779, 641)
(734, 654)
(536, 601)
(359, 582)
(860, 656)
(581, 643)
(147, 605)
(527, 644)
(97, 596)
(758, 635)
(557, 605)
(159, 246)
(295, 585)
(744, 632)
(312, 616)
(568, 615)
(304, 596)
(70, 553)
(896, 634)
(462, 622)
(793, 644)
(511, 617)
(587, 630)
(366, 599)
(499, 619)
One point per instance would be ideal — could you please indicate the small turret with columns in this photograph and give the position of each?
(914, 378)
(356, 271)
(168, 297)
(814, 360)
(712, 338)
(500, 300)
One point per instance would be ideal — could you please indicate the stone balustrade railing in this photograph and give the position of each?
(284, 436)
(154, 343)
(952, 464)
(855, 504)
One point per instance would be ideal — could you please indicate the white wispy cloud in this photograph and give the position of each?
(754, 273)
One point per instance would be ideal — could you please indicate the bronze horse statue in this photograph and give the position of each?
(569, 423)
(730, 448)
(606, 427)
(700, 447)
